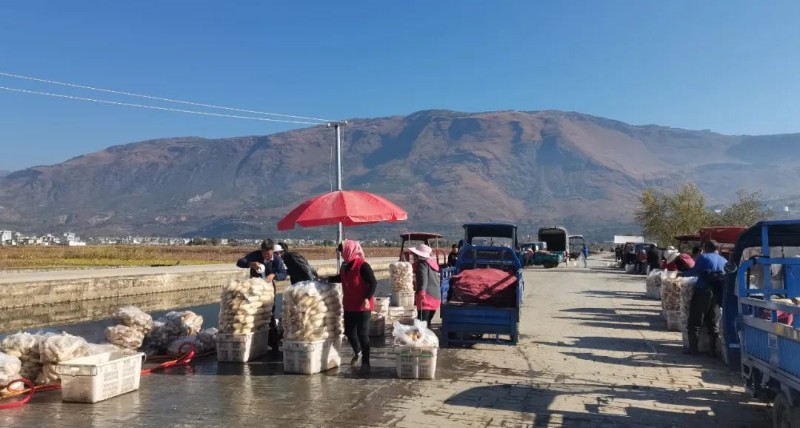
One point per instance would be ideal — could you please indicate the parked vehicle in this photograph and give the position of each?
(535, 247)
(761, 320)
(557, 246)
(486, 245)
(726, 236)
(410, 239)
(576, 243)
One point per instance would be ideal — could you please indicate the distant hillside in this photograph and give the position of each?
(444, 167)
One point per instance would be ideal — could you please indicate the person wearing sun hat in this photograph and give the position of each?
(428, 296)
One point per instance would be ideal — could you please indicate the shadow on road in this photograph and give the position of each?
(614, 405)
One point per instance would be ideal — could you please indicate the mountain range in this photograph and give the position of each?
(444, 167)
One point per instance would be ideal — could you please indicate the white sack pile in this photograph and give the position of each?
(671, 293)
(246, 306)
(312, 311)
(57, 348)
(133, 317)
(25, 346)
(204, 342)
(172, 327)
(9, 369)
(125, 337)
(402, 277)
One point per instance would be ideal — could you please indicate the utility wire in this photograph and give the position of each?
(150, 97)
(49, 94)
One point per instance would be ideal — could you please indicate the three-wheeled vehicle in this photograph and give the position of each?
(687, 242)
(486, 245)
(761, 318)
(576, 243)
(410, 239)
(726, 236)
(527, 256)
(557, 241)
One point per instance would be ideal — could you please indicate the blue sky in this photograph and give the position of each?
(727, 65)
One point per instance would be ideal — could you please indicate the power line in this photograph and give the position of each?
(71, 97)
(150, 97)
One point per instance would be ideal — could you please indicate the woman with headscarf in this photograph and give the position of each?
(358, 290)
(428, 296)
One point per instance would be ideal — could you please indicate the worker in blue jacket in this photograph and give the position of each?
(709, 268)
(264, 263)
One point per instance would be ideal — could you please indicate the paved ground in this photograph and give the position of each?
(594, 353)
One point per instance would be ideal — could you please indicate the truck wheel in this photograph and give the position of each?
(550, 265)
(783, 416)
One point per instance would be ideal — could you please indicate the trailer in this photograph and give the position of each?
(486, 245)
(557, 240)
(576, 243)
(761, 318)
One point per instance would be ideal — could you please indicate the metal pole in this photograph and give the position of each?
(339, 230)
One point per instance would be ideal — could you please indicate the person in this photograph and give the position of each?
(669, 259)
(641, 261)
(696, 251)
(653, 258)
(618, 253)
(264, 263)
(585, 255)
(709, 268)
(452, 258)
(428, 295)
(358, 290)
(684, 262)
(297, 266)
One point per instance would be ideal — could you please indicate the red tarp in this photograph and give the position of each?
(489, 286)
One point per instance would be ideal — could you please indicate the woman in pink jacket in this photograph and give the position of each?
(428, 288)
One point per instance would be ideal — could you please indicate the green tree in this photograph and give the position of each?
(664, 216)
(746, 211)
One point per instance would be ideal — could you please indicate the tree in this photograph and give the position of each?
(663, 216)
(746, 211)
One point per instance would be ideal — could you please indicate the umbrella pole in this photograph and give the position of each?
(339, 232)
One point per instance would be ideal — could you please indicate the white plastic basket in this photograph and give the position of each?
(311, 357)
(99, 377)
(416, 362)
(377, 326)
(404, 299)
(241, 348)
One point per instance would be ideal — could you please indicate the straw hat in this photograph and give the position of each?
(422, 250)
(277, 248)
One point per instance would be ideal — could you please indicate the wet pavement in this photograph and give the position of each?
(593, 353)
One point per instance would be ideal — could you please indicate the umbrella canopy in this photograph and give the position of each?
(349, 207)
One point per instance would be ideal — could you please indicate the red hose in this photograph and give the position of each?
(31, 392)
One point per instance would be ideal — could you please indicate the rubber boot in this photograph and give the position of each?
(712, 346)
(694, 339)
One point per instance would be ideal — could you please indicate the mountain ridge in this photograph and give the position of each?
(444, 167)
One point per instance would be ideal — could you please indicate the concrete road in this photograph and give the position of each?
(594, 353)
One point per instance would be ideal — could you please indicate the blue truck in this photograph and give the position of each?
(486, 245)
(761, 320)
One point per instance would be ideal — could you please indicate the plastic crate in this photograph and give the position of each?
(377, 326)
(241, 348)
(404, 299)
(381, 306)
(416, 362)
(311, 357)
(99, 377)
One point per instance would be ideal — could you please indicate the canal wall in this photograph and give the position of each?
(23, 290)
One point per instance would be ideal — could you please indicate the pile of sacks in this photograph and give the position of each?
(25, 346)
(312, 311)
(246, 306)
(402, 276)
(173, 326)
(204, 342)
(653, 284)
(133, 325)
(686, 291)
(57, 348)
(10, 367)
(415, 335)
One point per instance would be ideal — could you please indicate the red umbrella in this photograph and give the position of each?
(349, 207)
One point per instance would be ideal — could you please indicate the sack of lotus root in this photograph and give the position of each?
(25, 346)
(312, 311)
(246, 306)
(10, 366)
(671, 294)
(173, 326)
(402, 276)
(686, 291)
(125, 337)
(134, 317)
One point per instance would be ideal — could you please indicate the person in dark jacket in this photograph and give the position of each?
(358, 291)
(452, 258)
(428, 296)
(264, 263)
(709, 268)
(653, 258)
(297, 266)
